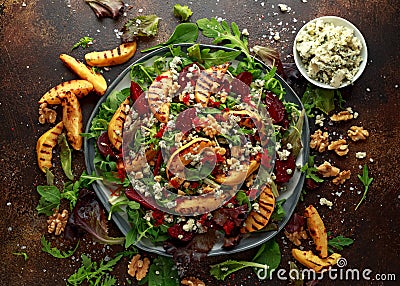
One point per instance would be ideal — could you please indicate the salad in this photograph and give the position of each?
(198, 149)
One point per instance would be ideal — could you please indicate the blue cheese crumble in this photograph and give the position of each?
(331, 54)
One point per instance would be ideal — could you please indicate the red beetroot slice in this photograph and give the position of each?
(275, 107)
(176, 232)
(184, 120)
(104, 146)
(281, 169)
(135, 91)
(245, 77)
(134, 196)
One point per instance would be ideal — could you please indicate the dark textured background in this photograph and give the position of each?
(33, 35)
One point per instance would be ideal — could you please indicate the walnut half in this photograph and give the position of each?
(56, 223)
(138, 268)
(340, 147)
(342, 116)
(327, 170)
(342, 177)
(319, 141)
(357, 133)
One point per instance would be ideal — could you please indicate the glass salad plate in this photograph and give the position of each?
(290, 195)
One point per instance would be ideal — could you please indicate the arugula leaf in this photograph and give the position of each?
(163, 272)
(279, 212)
(310, 170)
(366, 182)
(268, 254)
(49, 200)
(339, 242)
(140, 26)
(83, 42)
(183, 33)
(208, 58)
(182, 12)
(55, 252)
(323, 99)
(65, 156)
(220, 31)
(92, 273)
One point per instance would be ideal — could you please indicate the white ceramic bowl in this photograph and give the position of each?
(337, 21)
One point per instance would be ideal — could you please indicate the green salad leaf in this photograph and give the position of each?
(184, 33)
(221, 31)
(366, 180)
(338, 243)
(320, 98)
(65, 156)
(140, 26)
(182, 12)
(50, 198)
(163, 272)
(83, 42)
(208, 58)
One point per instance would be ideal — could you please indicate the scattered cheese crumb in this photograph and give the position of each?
(323, 201)
(361, 155)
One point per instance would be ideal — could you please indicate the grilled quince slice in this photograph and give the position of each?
(158, 93)
(119, 55)
(258, 219)
(45, 145)
(72, 119)
(79, 87)
(85, 72)
(317, 230)
(208, 83)
(116, 125)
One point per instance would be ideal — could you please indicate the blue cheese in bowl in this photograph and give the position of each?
(330, 53)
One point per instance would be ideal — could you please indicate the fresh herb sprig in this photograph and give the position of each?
(83, 42)
(366, 182)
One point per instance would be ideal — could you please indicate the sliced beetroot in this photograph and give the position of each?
(141, 105)
(104, 146)
(184, 120)
(135, 91)
(183, 79)
(246, 77)
(176, 232)
(134, 196)
(282, 168)
(275, 107)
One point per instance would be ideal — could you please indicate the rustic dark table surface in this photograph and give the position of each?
(34, 32)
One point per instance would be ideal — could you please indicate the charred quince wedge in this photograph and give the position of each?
(85, 72)
(116, 124)
(317, 231)
(45, 145)
(79, 87)
(119, 55)
(258, 219)
(158, 93)
(208, 83)
(312, 261)
(72, 119)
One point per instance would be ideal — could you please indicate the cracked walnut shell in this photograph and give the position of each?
(319, 141)
(357, 133)
(192, 281)
(327, 170)
(340, 147)
(138, 268)
(342, 177)
(56, 222)
(342, 116)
